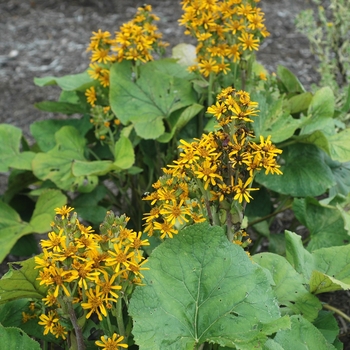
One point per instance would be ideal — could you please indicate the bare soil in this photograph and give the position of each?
(49, 37)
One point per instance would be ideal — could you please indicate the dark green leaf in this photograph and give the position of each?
(305, 172)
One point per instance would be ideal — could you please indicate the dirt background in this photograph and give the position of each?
(46, 37)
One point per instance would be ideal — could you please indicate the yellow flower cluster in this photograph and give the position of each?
(81, 266)
(215, 170)
(225, 30)
(137, 40)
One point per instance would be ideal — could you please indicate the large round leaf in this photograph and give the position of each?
(305, 172)
(202, 288)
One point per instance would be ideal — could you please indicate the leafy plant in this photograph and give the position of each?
(172, 141)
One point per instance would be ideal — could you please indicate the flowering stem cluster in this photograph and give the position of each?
(88, 274)
(138, 41)
(227, 32)
(212, 178)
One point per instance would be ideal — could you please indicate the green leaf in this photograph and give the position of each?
(15, 338)
(44, 211)
(44, 131)
(327, 325)
(317, 138)
(61, 107)
(13, 228)
(56, 164)
(300, 102)
(171, 66)
(289, 80)
(340, 146)
(180, 119)
(320, 112)
(289, 290)
(21, 283)
(274, 119)
(325, 223)
(325, 269)
(124, 155)
(297, 255)
(153, 97)
(10, 155)
(202, 288)
(86, 204)
(68, 82)
(305, 172)
(86, 168)
(302, 335)
(334, 264)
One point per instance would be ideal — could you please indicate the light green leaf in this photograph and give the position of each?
(15, 338)
(305, 172)
(97, 167)
(300, 102)
(44, 211)
(56, 164)
(44, 131)
(302, 335)
(290, 292)
(340, 146)
(297, 255)
(148, 100)
(325, 269)
(21, 283)
(317, 138)
(10, 155)
(289, 80)
(200, 287)
(322, 283)
(334, 263)
(68, 82)
(320, 112)
(124, 155)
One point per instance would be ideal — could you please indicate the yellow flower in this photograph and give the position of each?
(108, 285)
(55, 242)
(91, 96)
(165, 228)
(119, 257)
(217, 110)
(207, 172)
(175, 212)
(95, 303)
(248, 42)
(242, 190)
(113, 343)
(64, 211)
(48, 321)
(59, 331)
(208, 66)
